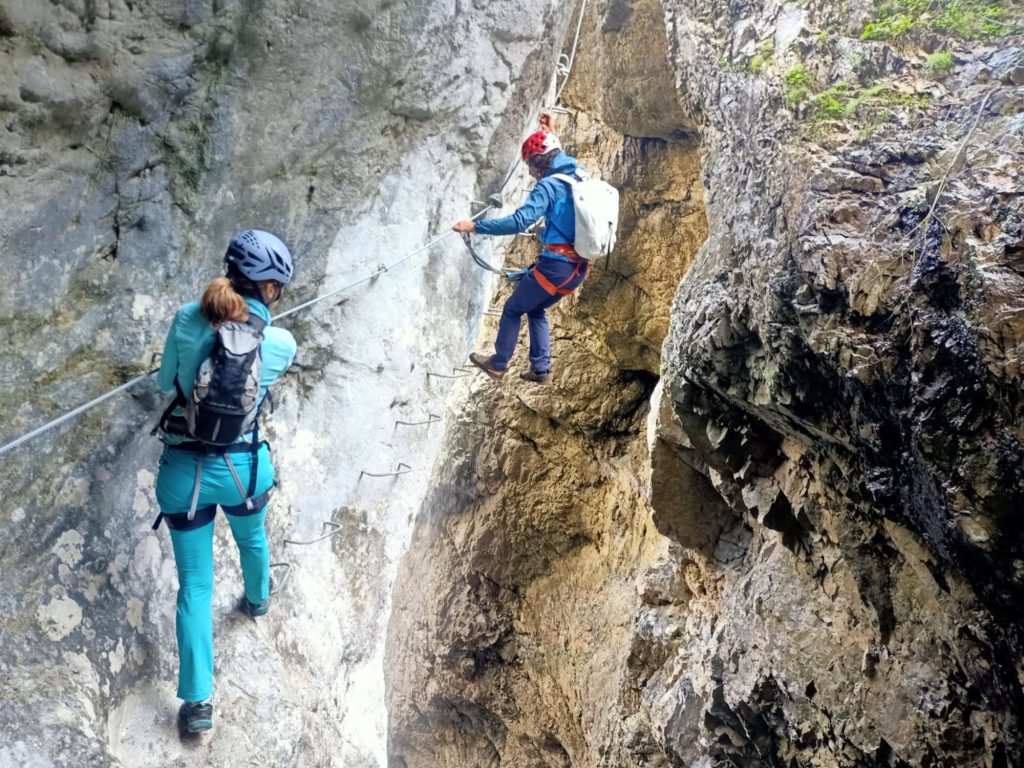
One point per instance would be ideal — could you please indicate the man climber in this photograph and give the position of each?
(558, 272)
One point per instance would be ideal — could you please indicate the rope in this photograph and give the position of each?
(131, 383)
(71, 414)
(380, 270)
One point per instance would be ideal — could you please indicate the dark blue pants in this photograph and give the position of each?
(530, 299)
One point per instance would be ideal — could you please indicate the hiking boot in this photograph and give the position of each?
(252, 610)
(537, 377)
(195, 716)
(484, 364)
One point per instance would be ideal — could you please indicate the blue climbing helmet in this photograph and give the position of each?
(260, 256)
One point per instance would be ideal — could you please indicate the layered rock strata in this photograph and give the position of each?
(806, 551)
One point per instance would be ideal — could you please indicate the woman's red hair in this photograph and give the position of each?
(221, 303)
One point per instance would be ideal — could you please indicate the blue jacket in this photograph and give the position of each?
(190, 340)
(551, 199)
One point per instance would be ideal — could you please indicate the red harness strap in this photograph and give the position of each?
(563, 249)
(559, 290)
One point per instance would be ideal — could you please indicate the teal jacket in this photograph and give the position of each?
(190, 340)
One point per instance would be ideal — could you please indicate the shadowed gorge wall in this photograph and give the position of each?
(802, 547)
(511, 640)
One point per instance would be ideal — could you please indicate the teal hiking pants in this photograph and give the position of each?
(193, 551)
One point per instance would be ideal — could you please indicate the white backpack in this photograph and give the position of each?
(596, 204)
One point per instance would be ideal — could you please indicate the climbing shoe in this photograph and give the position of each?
(253, 610)
(195, 716)
(484, 364)
(537, 377)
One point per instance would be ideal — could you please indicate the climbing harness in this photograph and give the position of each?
(560, 289)
(198, 517)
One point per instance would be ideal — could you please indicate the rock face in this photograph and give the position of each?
(766, 515)
(807, 550)
(137, 137)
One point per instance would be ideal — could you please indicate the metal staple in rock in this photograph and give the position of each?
(335, 529)
(398, 471)
(431, 419)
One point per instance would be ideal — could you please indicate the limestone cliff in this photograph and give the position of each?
(768, 513)
(802, 547)
(137, 136)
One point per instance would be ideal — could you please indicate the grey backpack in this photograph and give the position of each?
(222, 407)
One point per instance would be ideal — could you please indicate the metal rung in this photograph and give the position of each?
(431, 419)
(279, 585)
(396, 473)
(327, 523)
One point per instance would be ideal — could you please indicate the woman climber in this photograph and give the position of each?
(558, 272)
(220, 357)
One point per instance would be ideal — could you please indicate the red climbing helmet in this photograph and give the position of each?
(541, 142)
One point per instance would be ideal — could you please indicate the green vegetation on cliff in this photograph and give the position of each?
(966, 19)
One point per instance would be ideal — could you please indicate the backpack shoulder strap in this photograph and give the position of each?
(259, 325)
(179, 399)
(570, 180)
(257, 322)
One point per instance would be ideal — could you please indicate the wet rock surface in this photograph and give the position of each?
(807, 550)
